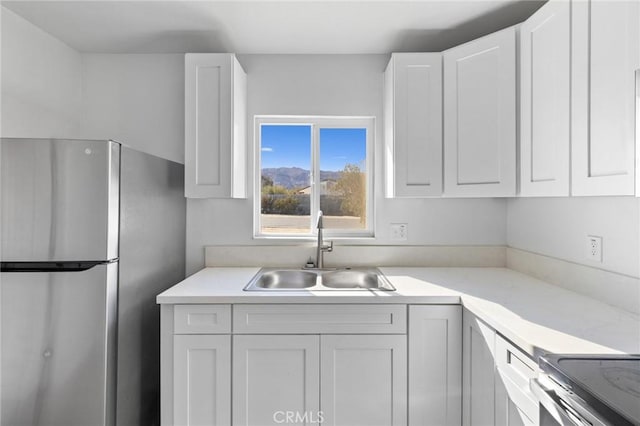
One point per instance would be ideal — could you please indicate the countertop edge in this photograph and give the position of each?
(494, 295)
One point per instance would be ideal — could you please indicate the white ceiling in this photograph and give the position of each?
(268, 27)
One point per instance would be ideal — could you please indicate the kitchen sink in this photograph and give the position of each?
(351, 279)
(286, 279)
(273, 279)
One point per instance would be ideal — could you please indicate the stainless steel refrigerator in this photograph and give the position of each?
(91, 232)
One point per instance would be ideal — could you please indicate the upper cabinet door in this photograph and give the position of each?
(215, 126)
(413, 125)
(545, 101)
(480, 117)
(606, 53)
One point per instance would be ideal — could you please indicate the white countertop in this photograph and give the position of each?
(537, 316)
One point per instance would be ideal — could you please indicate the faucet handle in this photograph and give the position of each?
(328, 248)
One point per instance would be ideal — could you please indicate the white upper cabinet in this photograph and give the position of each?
(480, 117)
(215, 126)
(545, 101)
(413, 125)
(605, 55)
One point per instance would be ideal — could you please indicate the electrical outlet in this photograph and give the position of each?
(594, 248)
(399, 231)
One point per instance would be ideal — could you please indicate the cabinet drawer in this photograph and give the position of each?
(517, 365)
(202, 319)
(515, 369)
(335, 319)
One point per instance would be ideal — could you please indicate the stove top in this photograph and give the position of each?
(610, 384)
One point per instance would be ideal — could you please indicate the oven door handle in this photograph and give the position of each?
(550, 400)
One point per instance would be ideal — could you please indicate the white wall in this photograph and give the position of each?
(41, 82)
(137, 100)
(50, 90)
(337, 85)
(558, 227)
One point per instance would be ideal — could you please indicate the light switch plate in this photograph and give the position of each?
(594, 248)
(399, 231)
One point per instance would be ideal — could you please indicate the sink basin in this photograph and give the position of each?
(270, 279)
(286, 279)
(350, 279)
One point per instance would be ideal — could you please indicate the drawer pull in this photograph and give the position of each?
(518, 365)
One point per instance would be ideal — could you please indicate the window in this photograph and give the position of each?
(310, 164)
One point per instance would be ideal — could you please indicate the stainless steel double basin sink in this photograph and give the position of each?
(273, 279)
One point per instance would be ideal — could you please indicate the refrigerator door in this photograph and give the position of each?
(58, 347)
(59, 199)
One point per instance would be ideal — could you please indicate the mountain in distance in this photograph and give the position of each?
(295, 177)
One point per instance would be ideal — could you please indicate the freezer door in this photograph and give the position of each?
(59, 199)
(58, 347)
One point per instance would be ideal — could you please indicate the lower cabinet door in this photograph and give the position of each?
(515, 403)
(202, 380)
(276, 380)
(435, 363)
(478, 366)
(363, 380)
(507, 412)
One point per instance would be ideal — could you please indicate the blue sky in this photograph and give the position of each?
(290, 146)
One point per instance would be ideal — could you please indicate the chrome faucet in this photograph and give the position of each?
(321, 248)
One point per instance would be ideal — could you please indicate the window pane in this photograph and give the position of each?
(343, 179)
(285, 160)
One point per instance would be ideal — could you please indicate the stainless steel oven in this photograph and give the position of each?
(589, 390)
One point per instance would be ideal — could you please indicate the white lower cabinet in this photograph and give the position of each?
(216, 371)
(495, 379)
(278, 379)
(363, 380)
(507, 412)
(515, 403)
(478, 380)
(275, 379)
(435, 357)
(201, 380)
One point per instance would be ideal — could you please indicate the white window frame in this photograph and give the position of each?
(316, 123)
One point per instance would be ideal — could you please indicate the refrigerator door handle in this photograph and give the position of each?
(52, 266)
